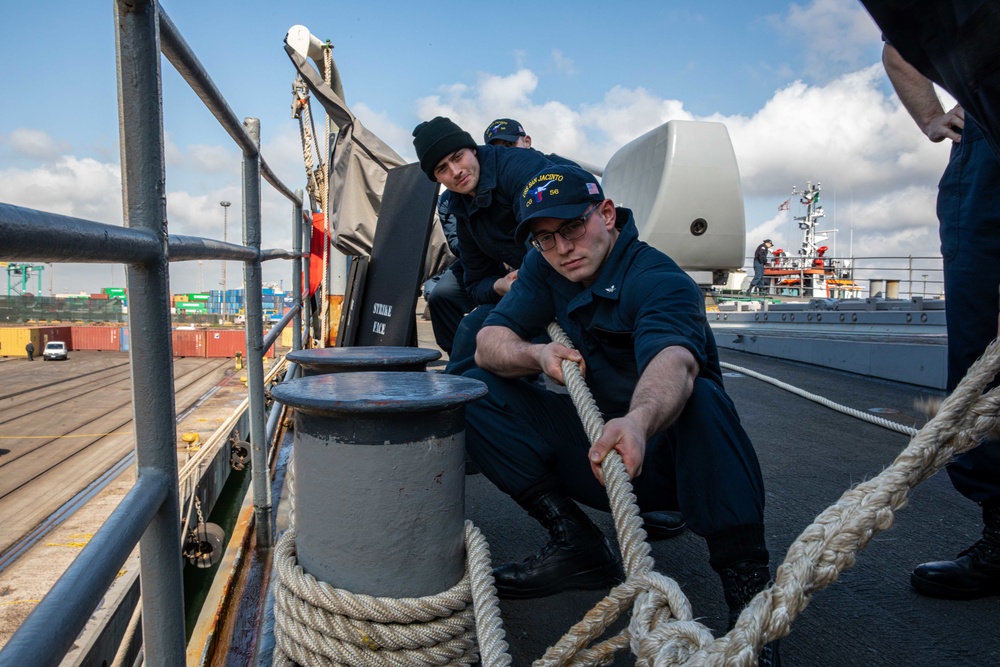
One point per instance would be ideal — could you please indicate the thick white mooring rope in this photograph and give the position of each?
(662, 631)
(318, 624)
(826, 402)
(823, 550)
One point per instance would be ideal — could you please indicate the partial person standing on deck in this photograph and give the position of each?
(30, 349)
(759, 262)
(968, 209)
(641, 335)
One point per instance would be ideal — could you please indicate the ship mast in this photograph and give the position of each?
(808, 222)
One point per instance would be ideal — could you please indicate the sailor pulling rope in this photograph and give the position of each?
(661, 631)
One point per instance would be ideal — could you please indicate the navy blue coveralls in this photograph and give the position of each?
(968, 208)
(759, 259)
(486, 224)
(528, 440)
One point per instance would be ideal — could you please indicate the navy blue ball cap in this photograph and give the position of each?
(505, 129)
(559, 191)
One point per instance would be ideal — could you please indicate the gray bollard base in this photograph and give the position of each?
(380, 479)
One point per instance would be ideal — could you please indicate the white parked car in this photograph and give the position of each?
(55, 349)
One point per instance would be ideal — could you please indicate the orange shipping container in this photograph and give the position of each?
(221, 343)
(96, 338)
(189, 343)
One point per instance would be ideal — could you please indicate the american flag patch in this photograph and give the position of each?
(592, 188)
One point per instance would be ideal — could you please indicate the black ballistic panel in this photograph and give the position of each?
(386, 315)
(347, 332)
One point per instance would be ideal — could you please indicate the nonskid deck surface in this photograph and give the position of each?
(809, 455)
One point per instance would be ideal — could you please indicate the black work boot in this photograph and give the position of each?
(974, 574)
(578, 556)
(662, 525)
(740, 583)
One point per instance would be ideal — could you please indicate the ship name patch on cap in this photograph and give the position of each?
(536, 189)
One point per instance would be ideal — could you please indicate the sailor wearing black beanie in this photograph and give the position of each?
(486, 182)
(436, 139)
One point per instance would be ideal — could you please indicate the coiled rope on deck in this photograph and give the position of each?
(319, 624)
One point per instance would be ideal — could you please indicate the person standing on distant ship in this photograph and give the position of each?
(968, 209)
(759, 261)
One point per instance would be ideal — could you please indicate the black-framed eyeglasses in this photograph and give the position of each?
(570, 231)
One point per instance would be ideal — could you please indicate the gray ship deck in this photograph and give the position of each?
(810, 455)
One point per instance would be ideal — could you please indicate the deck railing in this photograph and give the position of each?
(149, 514)
(904, 277)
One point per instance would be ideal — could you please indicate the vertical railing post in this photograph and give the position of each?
(910, 265)
(144, 205)
(297, 270)
(252, 286)
(307, 229)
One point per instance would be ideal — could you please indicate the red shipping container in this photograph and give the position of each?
(96, 338)
(189, 342)
(220, 343)
(63, 333)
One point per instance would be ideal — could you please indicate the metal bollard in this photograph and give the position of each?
(380, 479)
(323, 360)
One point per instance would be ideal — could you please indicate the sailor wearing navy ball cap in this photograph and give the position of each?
(638, 324)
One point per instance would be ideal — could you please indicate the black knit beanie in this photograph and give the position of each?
(436, 139)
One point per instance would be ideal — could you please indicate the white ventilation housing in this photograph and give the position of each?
(682, 183)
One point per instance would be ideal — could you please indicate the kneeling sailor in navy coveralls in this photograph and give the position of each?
(651, 363)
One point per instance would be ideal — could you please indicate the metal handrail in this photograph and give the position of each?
(918, 273)
(180, 55)
(149, 514)
(70, 239)
(42, 638)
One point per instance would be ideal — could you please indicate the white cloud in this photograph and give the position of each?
(848, 134)
(83, 188)
(563, 64)
(36, 144)
(200, 158)
(879, 173)
(833, 35)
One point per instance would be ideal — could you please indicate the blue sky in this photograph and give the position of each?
(799, 86)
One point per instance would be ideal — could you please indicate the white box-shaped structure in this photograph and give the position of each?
(682, 183)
